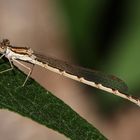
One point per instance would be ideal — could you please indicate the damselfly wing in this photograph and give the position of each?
(97, 77)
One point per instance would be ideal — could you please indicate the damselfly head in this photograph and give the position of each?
(5, 42)
(3, 45)
(2, 49)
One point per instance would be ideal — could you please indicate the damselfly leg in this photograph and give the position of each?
(12, 67)
(9, 69)
(29, 73)
(2, 56)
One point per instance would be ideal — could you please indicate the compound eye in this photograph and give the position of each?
(2, 47)
(6, 42)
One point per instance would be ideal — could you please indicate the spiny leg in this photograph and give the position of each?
(30, 71)
(10, 61)
(2, 56)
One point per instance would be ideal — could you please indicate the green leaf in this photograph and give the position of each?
(34, 102)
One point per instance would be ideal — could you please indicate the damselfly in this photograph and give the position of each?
(93, 78)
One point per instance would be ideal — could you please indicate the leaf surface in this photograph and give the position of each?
(38, 104)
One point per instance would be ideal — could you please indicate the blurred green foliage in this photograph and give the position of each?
(106, 36)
